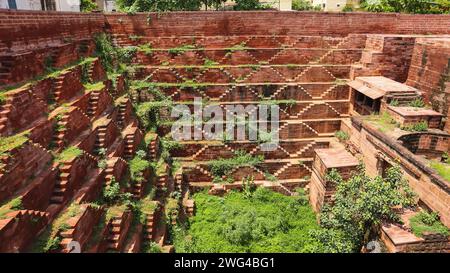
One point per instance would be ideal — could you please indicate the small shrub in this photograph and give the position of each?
(419, 103)
(394, 102)
(111, 192)
(425, 222)
(416, 127)
(68, 154)
(342, 136)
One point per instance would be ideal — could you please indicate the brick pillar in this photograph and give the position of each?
(321, 190)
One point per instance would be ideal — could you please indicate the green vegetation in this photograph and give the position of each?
(88, 5)
(304, 5)
(50, 239)
(149, 112)
(146, 48)
(361, 204)
(137, 165)
(266, 221)
(12, 142)
(419, 103)
(394, 102)
(132, 6)
(342, 136)
(425, 222)
(94, 86)
(13, 205)
(250, 5)
(442, 168)
(383, 122)
(68, 154)
(416, 127)
(407, 6)
(238, 47)
(223, 166)
(181, 49)
(111, 192)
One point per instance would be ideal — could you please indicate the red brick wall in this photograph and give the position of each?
(22, 28)
(273, 22)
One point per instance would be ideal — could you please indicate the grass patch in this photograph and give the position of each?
(50, 240)
(137, 166)
(265, 222)
(383, 122)
(68, 154)
(13, 205)
(94, 86)
(425, 222)
(12, 142)
(223, 166)
(443, 169)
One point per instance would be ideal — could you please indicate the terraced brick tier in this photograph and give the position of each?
(242, 92)
(353, 41)
(262, 75)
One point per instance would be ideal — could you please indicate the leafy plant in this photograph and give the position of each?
(394, 102)
(222, 166)
(419, 103)
(425, 222)
(87, 5)
(266, 221)
(342, 136)
(361, 203)
(416, 127)
(111, 192)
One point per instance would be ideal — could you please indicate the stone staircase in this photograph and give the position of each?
(93, 103)
(101, 139)
(59, 134)
(129, 147)
(121, 115)
(114, 233)
(60, 188)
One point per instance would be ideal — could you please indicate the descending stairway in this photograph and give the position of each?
(59, 191)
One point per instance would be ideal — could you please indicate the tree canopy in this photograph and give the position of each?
(360, 205)
(407, 6)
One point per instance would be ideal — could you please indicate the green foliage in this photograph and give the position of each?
(209, 62)
(88, 5)
(146, 48)
(148, 112)
(111, 192)
(361, 204)
(425, 222)
(68, 154)
(181, 49)
(12, 142)
(348, 8)
(384, 122)
(126, 54)
(137, 165)
(106, 52)
(419, 103)
(247, 5)
(265, 222)
(442, 168)
(238, 47)
(303, 5)
(132, 6)
(394, 102)
(50, 238)
(417, 127)
(222, 166)
(13, 205)
(407, 6)
(342, 136)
